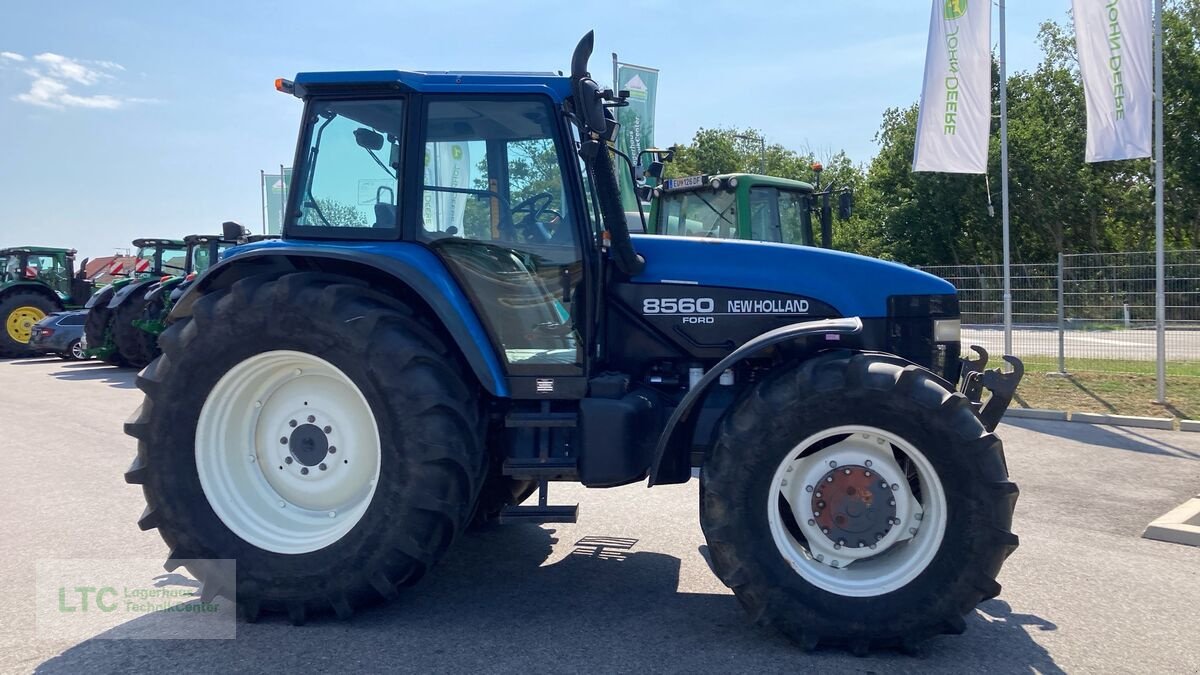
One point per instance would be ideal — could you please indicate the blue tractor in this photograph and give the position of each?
(457, 316)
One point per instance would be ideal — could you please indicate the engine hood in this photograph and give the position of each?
(855, 285)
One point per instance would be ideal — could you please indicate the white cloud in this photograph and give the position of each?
(54, 79)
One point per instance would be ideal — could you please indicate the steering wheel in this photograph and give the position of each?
(532, 208)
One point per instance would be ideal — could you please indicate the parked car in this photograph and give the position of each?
(61, 334)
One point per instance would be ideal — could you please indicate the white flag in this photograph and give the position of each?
(1114, 40)
(956, 99)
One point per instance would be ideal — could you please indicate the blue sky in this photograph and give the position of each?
(121, 119)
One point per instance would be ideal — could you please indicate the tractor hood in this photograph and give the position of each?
(855, 285)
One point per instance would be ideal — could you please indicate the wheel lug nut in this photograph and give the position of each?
(884, 484)
(837, 547)
(333, 449)
(832, 464)
(287, 460)
(847, 472)
(912, 530)
(304, 471)
(829, 479)
(322, 466)
(809, 488)
(328, 429)
(283, 440)
(867, 463)
(312, 418)
(878, 536)
(891, 502)
(895, 486)
(292, 423)
(816, 514)
(867, 474)
(820, 505)
(811, 522)
(919, 516)
(824, 530)
(817, 495)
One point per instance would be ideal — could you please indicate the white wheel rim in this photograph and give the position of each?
(77, 350)
(260, 458)
(872, 559)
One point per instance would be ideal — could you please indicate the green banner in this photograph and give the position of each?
(274, 197)
(636, 121)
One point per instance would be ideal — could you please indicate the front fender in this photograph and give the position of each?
(671, 458)
(128, 291)
(381, 264)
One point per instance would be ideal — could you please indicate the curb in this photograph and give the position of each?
(1181, 525)
(1038, 414)
(1167, 423)
(1125, 420)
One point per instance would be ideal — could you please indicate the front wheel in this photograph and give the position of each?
(853, 500)
(319, 433)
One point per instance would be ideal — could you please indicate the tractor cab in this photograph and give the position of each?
(746, 206)
(160, 257)
(204, 250)
(35, 281)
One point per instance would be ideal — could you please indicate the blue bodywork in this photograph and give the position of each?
(854, 285)
(556, 87)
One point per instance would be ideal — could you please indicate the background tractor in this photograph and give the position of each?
(203, 250)
(109, 332)
(744, 206)
(457, 314)
(36, 281)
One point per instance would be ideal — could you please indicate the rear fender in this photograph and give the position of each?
(404, 269)
(672, 457)
(134, 289)
(32, 287)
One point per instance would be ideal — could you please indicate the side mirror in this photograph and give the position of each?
(845, 205)
(644, 192)
(368, 139)
(639, 173)
(826, 222)
(656, 170)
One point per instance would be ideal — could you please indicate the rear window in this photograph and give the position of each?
(74, 319)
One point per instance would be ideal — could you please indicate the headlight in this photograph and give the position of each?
(947, 330)
(732, 183)
(715, 184)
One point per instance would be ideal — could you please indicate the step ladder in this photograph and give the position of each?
(542, 468)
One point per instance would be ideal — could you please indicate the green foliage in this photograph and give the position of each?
(340, 214)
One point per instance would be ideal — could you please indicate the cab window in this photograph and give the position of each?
(699, 213)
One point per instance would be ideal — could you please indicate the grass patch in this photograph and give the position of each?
(1109, 386)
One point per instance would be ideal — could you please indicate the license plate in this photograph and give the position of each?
(688, 182)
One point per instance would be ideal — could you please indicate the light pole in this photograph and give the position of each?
(762, 151)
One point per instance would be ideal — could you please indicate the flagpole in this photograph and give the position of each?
(1160, 300)
(262, 188)
(1008, 341)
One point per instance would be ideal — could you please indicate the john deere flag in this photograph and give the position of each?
(1113, 39)
(956, 99)
(275, 193)
(636, 121)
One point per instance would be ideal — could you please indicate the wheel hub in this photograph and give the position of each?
(308, 444)
(853, 507)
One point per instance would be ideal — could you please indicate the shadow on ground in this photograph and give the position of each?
(1118, 438)
(497, 605)
(119, 378)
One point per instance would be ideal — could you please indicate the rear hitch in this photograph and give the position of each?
(1002, 386)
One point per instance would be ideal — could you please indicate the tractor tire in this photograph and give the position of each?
(137, 347)
(385, 386)
(98, 328)
(919, 549)
(19, 310)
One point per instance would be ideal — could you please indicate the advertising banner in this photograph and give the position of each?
(636, 122)
(1114, 41)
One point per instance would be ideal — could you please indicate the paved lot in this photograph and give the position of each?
(1083, 593)
(1134, 344)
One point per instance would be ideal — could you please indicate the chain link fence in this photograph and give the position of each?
(1087, 312)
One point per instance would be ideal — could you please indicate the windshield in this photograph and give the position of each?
(173, 260)
(202, 256)
(698, 213)
(8, 268)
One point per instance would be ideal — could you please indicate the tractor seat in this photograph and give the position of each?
(385, 215)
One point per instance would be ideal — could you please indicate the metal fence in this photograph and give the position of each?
(1087, 312)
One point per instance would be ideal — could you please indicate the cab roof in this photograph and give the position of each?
(558, 87)
(204, 239)
(692, 183)
(37, 249)
(140, 243)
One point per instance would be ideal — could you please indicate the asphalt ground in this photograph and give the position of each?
(627, 587)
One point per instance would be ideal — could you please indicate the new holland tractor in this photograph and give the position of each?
(110, 332)
(456, 316)
(36, 281)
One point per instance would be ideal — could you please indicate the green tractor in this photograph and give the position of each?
(35, 281)
(110, 333)
(203, 250)
(745, 206)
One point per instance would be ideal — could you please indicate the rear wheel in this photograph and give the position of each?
(19, 311)
(332, 446)
(98, 332)
(136, 346)
(853, 500)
